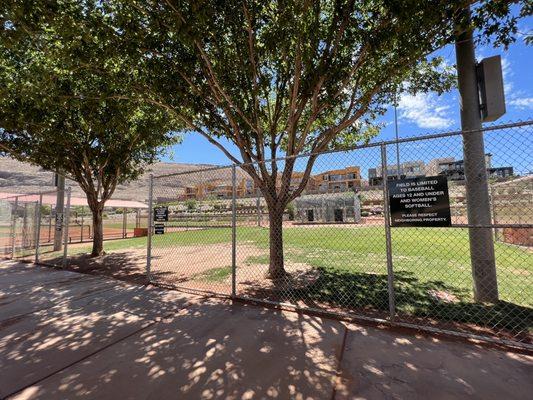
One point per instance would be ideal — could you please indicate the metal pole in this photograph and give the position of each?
(397, 139)
(50, 223)
(388, 239)
(24, 245)
(60, 209)
(14, 227)
(150, 224)
(124, 221)
(233, 231)
(38, 228)
(258, 207)
(82, 221)
(477, 191)
(66, 224)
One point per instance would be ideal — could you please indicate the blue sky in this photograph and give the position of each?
(421, 114)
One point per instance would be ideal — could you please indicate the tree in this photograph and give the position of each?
(290, 77)
(71, 120)
(99, 147)
(281, 78)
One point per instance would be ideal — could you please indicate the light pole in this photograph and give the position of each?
(397, 136)
(477, 191)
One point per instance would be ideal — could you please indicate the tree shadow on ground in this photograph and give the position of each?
(138, 342)
(415, 300)
(124, 266)
(72, 336)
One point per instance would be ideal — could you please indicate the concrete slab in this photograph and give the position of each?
(36, 345)
(91, 337)
(18, 300)
(21, 275)
(145, 301)
(56, 324)
(210, 350)
(379, 364)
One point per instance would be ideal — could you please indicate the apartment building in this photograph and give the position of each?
(448, 166)
(408, 169)
(434, 166)
(455, 169)
(336, 180)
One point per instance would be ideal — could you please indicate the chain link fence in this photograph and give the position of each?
(211, 231)
(34, 229)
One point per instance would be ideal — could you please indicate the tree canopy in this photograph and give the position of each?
(273, 77)
(65, 118)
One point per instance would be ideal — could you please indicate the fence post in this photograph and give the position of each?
(38, 228)
(482, 257)
(24, 244)
(150, 218)
(50, 224)
(124, 221)
(82, 221)
(388, 241)
(66, 223)
(258, 207)
(14, 227)
(233, 231)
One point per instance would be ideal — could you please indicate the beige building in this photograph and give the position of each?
(337, 180)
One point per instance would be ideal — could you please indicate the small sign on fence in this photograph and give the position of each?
(422, 201)
(59, 222)
(161, 213)
(159, 229)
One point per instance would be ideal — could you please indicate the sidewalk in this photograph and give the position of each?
(65, 335)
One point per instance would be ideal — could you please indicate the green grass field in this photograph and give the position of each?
(353, 269)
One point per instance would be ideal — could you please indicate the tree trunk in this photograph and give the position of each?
(98, 233)
(276, 268)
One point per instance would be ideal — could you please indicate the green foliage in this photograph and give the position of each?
(190, 204)
(45, 210)
(56, 113)
(271, 77)
(290, 210)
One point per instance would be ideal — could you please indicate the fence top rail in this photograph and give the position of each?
(191, 171)
(363, 146)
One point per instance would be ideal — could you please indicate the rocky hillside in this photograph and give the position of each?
(19, 177)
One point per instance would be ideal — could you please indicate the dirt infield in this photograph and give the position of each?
(206, 267)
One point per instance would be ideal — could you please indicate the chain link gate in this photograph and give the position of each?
(191, 246)
(341, 254)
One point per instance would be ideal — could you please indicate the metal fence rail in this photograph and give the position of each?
(341, 254)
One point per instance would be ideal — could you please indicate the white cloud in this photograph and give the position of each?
(507, 73)
(514, 98)
(524, 103)
(424, 111)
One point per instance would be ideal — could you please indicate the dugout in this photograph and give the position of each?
(343, 207)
